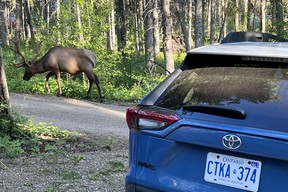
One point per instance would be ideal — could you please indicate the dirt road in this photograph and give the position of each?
(72, 114)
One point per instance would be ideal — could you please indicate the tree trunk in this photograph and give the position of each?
(223, 27)
(254, 15)
(57, 20)
(47, 16)
(149, 48)
(263, 16)
(273, 13)
(181, 17)
(225, 12)
(156, 29)
(111, 31)
(28, 21)
(4, 23)
(121, 24)
(279, 18)
(237, 15)
(190, 23)
(198, 27)
(78, 15)
(140, 28)
(18, 19)
(58, 9)
(109, 34)
(212, 21)
(167, 30)
(23, 20)
(4, 93)
(111, 41)
(136, 34)
(249, 13)
(244, 17)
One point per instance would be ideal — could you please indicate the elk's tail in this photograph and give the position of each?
(91, 56)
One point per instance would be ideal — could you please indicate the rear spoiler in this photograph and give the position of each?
(252, 36)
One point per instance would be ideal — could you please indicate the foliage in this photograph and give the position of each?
(20, 136)
(76, 159)
(123, 75)
(122, 78)
(10, 148)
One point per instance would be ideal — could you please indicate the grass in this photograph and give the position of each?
(19, 136)
(62, 169)
(70, 175)
(76, 159)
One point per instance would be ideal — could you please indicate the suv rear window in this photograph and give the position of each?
(227, 86)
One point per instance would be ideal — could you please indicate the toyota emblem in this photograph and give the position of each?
(231, 141)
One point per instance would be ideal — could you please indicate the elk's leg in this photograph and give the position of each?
(59, 94)
(97, 82)
(47, 90)
(93, 78)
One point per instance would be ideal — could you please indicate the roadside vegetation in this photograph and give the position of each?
(19, 136)
(42, 154)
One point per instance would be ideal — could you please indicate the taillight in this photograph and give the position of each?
(149, 118)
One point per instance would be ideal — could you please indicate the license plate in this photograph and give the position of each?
(233, 171)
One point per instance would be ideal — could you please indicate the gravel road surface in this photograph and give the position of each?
(72, 114)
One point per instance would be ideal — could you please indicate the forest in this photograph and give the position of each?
(137, 43)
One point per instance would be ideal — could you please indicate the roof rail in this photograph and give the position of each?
(252, 36)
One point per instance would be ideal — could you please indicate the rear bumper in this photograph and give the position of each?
(130, 187)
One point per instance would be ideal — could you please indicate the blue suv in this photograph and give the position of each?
(218, 123)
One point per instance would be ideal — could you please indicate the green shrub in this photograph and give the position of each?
(10, 148)
(20, 136)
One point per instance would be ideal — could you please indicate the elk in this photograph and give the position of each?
(60, 59)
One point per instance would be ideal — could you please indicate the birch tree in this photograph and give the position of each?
(139, 26)
(111, 40)
(236, 20)
(263, 16)
(190, 23)
(244, 18)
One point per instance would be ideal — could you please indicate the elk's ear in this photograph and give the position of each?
(29, 64)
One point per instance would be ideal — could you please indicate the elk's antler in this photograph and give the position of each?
(38, 47)
(17, 51)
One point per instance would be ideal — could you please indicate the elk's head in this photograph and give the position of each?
(29, 70)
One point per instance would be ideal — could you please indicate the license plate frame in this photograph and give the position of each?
(233, 171)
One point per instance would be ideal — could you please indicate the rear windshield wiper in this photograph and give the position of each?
(217, 110)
